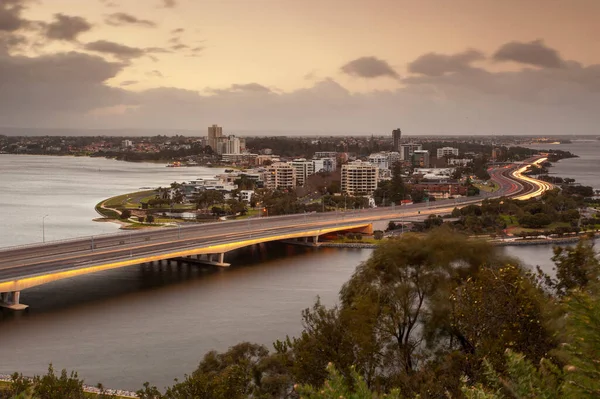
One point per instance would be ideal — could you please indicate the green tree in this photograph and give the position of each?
(51, 386)
(336, 387)
(575, 267)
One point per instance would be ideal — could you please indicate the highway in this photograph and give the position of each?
(27, 266)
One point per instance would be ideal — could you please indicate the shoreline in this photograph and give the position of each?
(120, 393)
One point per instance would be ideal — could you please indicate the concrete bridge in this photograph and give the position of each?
(32, 265)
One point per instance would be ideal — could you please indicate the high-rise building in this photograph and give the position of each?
(396, 135)
(359, 178)
(304, 169)
(280, 175)
(407, 150)
(214, 133)
(447, 151)
(420, 158)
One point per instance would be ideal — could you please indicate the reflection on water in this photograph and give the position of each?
(155, 321)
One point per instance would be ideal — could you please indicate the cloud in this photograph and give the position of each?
(532, 53)
(155, 74)
(434, 64)
(369, 67)
(116, 49)
(56, 88)
(122, 19)
(169, 4)
(65, 27)
(10, 15)
(128, 83)
(177, 31)
(121, 51)
(109, 3)
(179, 46)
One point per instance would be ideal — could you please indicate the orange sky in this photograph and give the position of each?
(278, 42)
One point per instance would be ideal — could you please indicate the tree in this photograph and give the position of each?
(125, 214)
(336, 386)
(51, 386)
(575, 267)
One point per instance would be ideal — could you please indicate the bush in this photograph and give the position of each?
(125, 214)
(149, 219)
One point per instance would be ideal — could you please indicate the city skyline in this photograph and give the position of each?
(322, 68)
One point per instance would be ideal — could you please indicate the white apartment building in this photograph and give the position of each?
(246, 195)
(325, 165)
(447, 151)
(303, 169)
(407, 150)
(380, 160)
(280, 175)
(126, 144)
(459, 162)
(359, 178)
(393, 157)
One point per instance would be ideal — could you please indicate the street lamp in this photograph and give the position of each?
(44, 228)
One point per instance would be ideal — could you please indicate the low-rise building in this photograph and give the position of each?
(447, 152)
(442, 190)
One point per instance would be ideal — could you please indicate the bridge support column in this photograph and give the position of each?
(315, 240)
(11, 300)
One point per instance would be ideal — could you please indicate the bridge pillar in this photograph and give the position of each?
(316, 239)
(11, 300)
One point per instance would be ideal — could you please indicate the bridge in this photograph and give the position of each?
(28, 266)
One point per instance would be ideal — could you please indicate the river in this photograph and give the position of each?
(150, 322)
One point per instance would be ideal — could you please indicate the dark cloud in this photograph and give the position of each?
(118, 50)
(121, 51)
(10, 15)
(121, 19)
(369, 67)
(168, 4)
(434, 64)
(177, 31)
(179, 46)
(198, 49)
(255, 87)
(56, 88)
(10, 42)
(531, 53)
(65, 27)
(128, 83)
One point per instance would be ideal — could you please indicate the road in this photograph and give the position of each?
(126, 248)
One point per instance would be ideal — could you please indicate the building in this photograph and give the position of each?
(359, 178)
(396, 136)
(325, 165)
(325, 154)
(246, 195)
(442, 190)
(214, 133)
(280, 175)
(303, 168)
(393, 157)
(447, 152)
(459, 161)
(420, 158)
(407, 150)
(126, 144)
(380, 160)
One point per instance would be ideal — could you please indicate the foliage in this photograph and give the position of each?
(575, 267)
(336, 387)
(125, 214)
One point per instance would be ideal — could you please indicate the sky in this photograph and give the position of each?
(313, 66)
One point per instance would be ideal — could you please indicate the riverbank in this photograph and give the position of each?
(5, 381)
